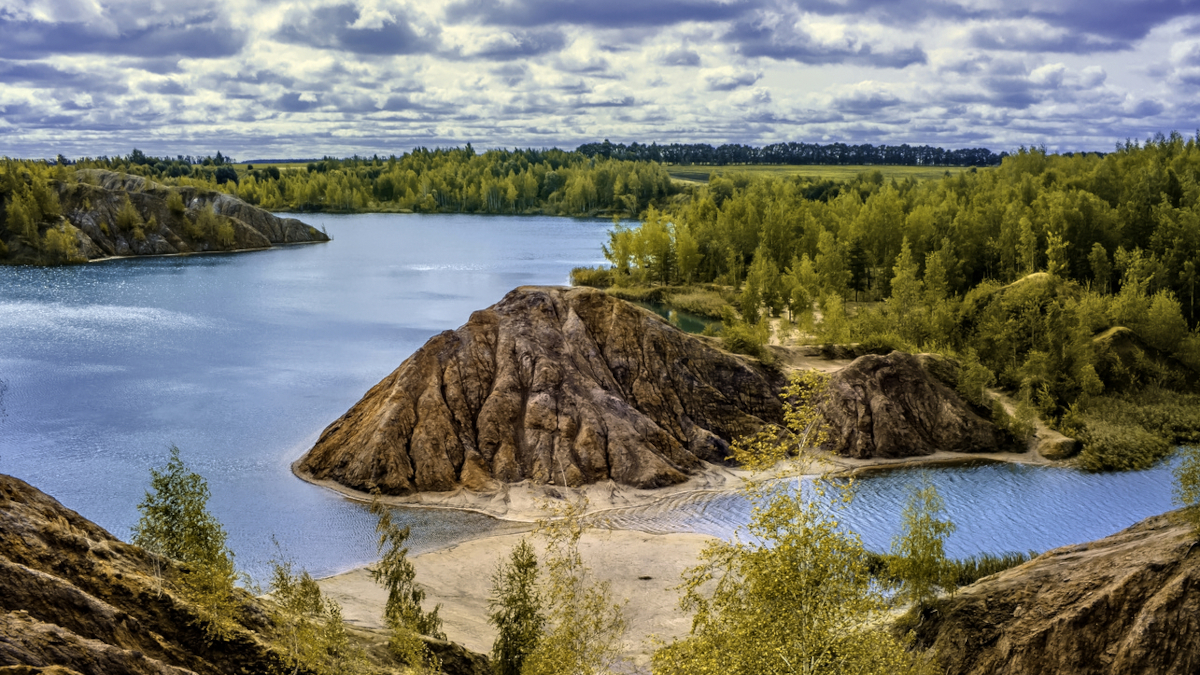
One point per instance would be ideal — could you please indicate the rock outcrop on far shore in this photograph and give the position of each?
(903, 405)
(1127, 604)
(554, 386)
(91, 208)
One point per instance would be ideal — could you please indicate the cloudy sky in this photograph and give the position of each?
(306, 78)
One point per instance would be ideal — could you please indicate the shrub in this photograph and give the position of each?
(1116, 446)
(596, 277)
(515, 609)
(175, 203)
(1187, 486)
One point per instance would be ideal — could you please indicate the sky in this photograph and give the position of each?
(309, 78)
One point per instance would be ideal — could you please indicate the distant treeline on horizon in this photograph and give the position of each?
(793, 154)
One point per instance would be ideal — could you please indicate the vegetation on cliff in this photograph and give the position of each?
(52, 215)
(1068, 280)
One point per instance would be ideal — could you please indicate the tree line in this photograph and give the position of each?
(793, 153)
(441, 180)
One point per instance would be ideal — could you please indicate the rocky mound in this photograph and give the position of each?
(901, 405)
(1126, 361)
(550, 385)
(1128, 604)
(92, 205)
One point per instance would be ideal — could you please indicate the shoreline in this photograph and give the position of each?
(187, 253)
(522, 502)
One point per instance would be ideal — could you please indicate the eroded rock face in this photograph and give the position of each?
(901, 405)
(1127, 604)
(72, 595)
(551, 385)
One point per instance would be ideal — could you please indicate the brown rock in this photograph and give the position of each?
(901, 405)
(1128, 604)
(1055, 446)
(550, 385)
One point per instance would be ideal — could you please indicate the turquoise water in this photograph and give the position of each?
(242, 359)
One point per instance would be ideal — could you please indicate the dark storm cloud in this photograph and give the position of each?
(1021, 39)
(731, 82)
(1124, 20)
(331, 28)
(603, 14)
(789, 43)
(521, 44)
(292, 103)
(680, 57)
(196, 36)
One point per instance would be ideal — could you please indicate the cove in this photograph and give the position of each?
(242, 359)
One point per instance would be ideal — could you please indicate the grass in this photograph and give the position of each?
(700, 174)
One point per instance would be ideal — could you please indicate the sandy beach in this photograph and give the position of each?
(643, 570)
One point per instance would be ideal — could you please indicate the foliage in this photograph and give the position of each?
(175, 203)
(515, 609)
(402, 612)
(918, 559)
(584, 626)
(1133, 430)
(312, 632)
(175, 523)
(1187, 485)
(795, 597)
(742, 337)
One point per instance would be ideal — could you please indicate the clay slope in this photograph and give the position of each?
(89, 214)
(901, 405)
(1127, 604)
(72, 595)
(550, 385)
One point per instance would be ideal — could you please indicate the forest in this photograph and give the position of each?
(1068, 281)
(793, 153)
(455, 180)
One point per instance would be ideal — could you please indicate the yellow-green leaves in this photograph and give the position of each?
(918, 558)
(1187, 485)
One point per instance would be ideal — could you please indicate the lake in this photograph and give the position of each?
(242, 359)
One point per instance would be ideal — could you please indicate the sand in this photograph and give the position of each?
(643, 570)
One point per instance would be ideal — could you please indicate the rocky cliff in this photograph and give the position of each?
(1128, 604)
(550, 385)
(75, 600)
(72, 595)
(92, 203)
(903, 405)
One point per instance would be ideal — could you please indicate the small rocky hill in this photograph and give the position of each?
(1127, 604)
(92, 205)
(903, 405)
(550, 385)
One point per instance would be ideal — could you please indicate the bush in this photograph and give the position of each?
(596, 277)
(1187, 486)
(515, 609)
(175, 203)
(1115, 446)
(700, 302)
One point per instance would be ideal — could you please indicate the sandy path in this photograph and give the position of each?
(459, 577)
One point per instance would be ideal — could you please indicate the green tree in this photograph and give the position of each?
(311, 629)
(583, 625)
(918, 558)
(175, 523)
(1187, 485)
(1101, 268)
(795, 594)
(515, 609)
(402, 611)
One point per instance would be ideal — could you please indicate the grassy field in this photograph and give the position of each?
(700, 174)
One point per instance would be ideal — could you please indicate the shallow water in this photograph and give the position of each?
(242, 359)
(996, 507)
